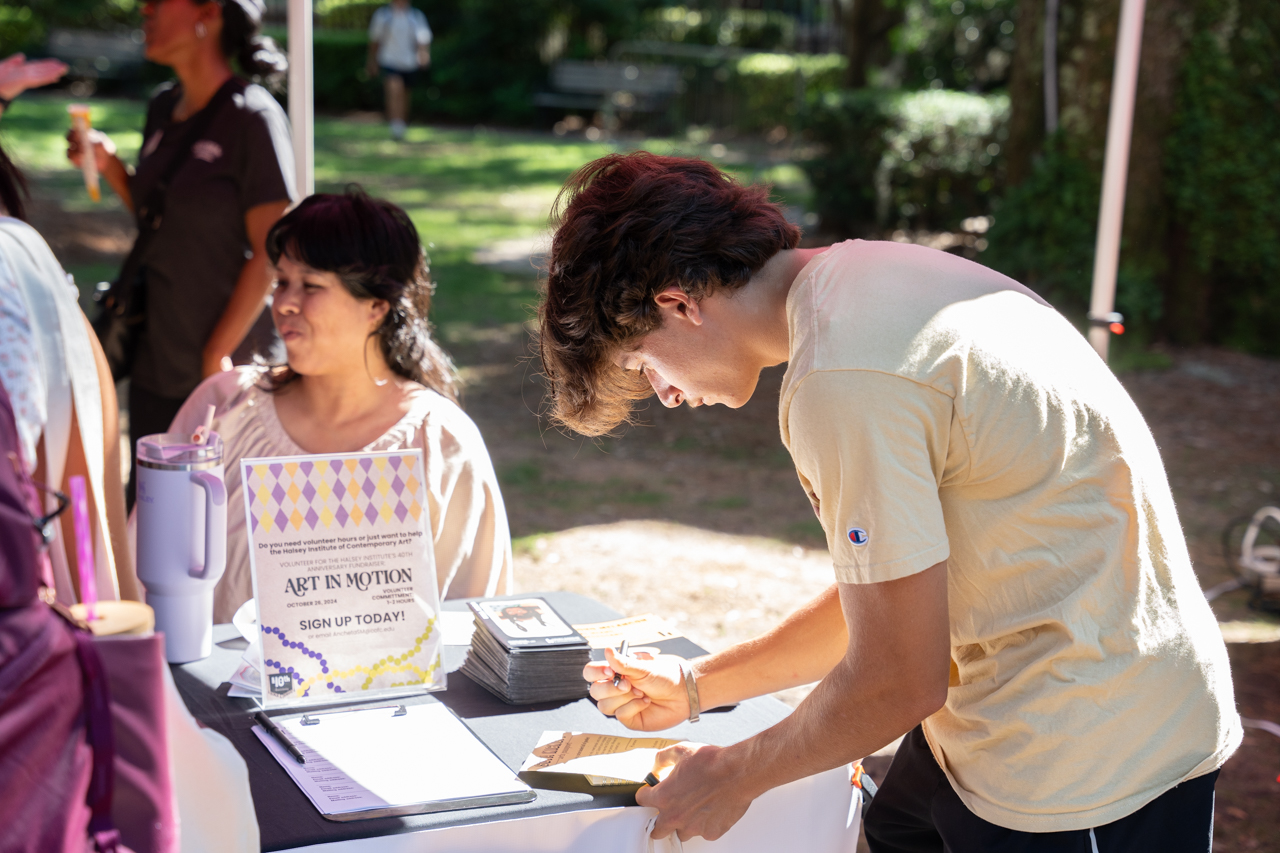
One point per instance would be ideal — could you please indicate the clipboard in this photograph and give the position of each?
(391, 761)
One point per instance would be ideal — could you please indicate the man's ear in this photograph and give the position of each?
(674, 304)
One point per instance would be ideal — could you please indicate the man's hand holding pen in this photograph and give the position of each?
(650, 695)
(700, 792)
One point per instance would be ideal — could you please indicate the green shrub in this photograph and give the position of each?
(346, 14)
(1044, 229)
(1044, 236)
(904, 159)
(773, 87)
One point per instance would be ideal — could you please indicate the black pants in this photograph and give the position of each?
(917, 811)
(148, 414)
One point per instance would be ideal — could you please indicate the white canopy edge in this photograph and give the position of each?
(302, 96)
(1115, 173)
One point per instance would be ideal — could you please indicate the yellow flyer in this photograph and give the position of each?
(344, 576)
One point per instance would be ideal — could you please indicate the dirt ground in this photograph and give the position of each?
(696, 515)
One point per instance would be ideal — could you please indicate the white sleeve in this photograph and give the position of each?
(20, 368)
(378, 25)
(423, 29)
(469, 520)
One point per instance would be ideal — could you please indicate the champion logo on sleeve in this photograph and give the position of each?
(858, 536)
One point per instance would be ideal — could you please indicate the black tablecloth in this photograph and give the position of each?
(286, 817)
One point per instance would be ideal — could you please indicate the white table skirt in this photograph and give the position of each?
(820, 814)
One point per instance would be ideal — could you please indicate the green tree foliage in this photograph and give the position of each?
(1216, 276)
(24, 26)
(1222, 163)
(954, 44)
(751, 29)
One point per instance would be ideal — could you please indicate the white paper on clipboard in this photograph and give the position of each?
(375, 763)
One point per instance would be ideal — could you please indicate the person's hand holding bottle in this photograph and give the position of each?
(110, 166)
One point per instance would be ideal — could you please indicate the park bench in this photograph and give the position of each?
(94, 55)
(609, 87)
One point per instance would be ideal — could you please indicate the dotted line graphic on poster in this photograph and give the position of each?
(386, 666)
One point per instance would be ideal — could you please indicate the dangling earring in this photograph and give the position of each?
(368, 372)
(201, 32)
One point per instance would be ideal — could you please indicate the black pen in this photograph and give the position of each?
(622, 651)
(277, 733)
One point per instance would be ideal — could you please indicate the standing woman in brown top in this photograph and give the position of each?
(205, 268)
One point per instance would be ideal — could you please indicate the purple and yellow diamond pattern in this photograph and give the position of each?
(313, 495)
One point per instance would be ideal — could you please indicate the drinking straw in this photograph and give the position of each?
(84, 546)
(201, 435)
(88, 163)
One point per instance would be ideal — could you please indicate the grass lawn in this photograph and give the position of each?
(465, 189)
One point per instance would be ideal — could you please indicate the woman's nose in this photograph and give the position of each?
(283, 300)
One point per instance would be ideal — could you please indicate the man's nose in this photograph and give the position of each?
(670, 395)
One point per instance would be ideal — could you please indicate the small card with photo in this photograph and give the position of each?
(524, 652)
(528, 622)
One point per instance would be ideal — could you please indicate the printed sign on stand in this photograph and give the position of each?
(344, 576)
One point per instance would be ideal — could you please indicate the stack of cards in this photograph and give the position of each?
(523, 652)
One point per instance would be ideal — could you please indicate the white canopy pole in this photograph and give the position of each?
(302, 96)
(1114, 174)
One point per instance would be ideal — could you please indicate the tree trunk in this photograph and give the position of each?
(1149, 225)
(866, 31)
(1087, 32)
(1026, 92)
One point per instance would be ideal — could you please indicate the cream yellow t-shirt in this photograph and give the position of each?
(937, 410)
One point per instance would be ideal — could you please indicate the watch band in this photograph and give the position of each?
(691, 688)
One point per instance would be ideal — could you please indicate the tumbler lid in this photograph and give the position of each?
(175, 451)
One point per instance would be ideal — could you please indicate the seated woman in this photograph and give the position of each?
(363, 373)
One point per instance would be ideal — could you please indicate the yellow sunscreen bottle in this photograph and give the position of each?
(88, 163)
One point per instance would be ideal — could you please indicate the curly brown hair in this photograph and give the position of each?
(627, 227)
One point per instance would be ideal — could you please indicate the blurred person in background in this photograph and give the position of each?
(56, 376)
(363, 373)
(399, 49)
(205, 269)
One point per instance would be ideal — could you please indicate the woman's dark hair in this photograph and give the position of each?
(373, 248)
(242, 40)
(13, 188)
(627, 227)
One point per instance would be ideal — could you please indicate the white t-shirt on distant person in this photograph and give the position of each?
(937, 410)
(399, 33)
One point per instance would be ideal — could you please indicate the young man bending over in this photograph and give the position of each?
(1013, 588)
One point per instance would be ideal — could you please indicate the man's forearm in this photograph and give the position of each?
(848, 716)
(801, 650)
(893, 674)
